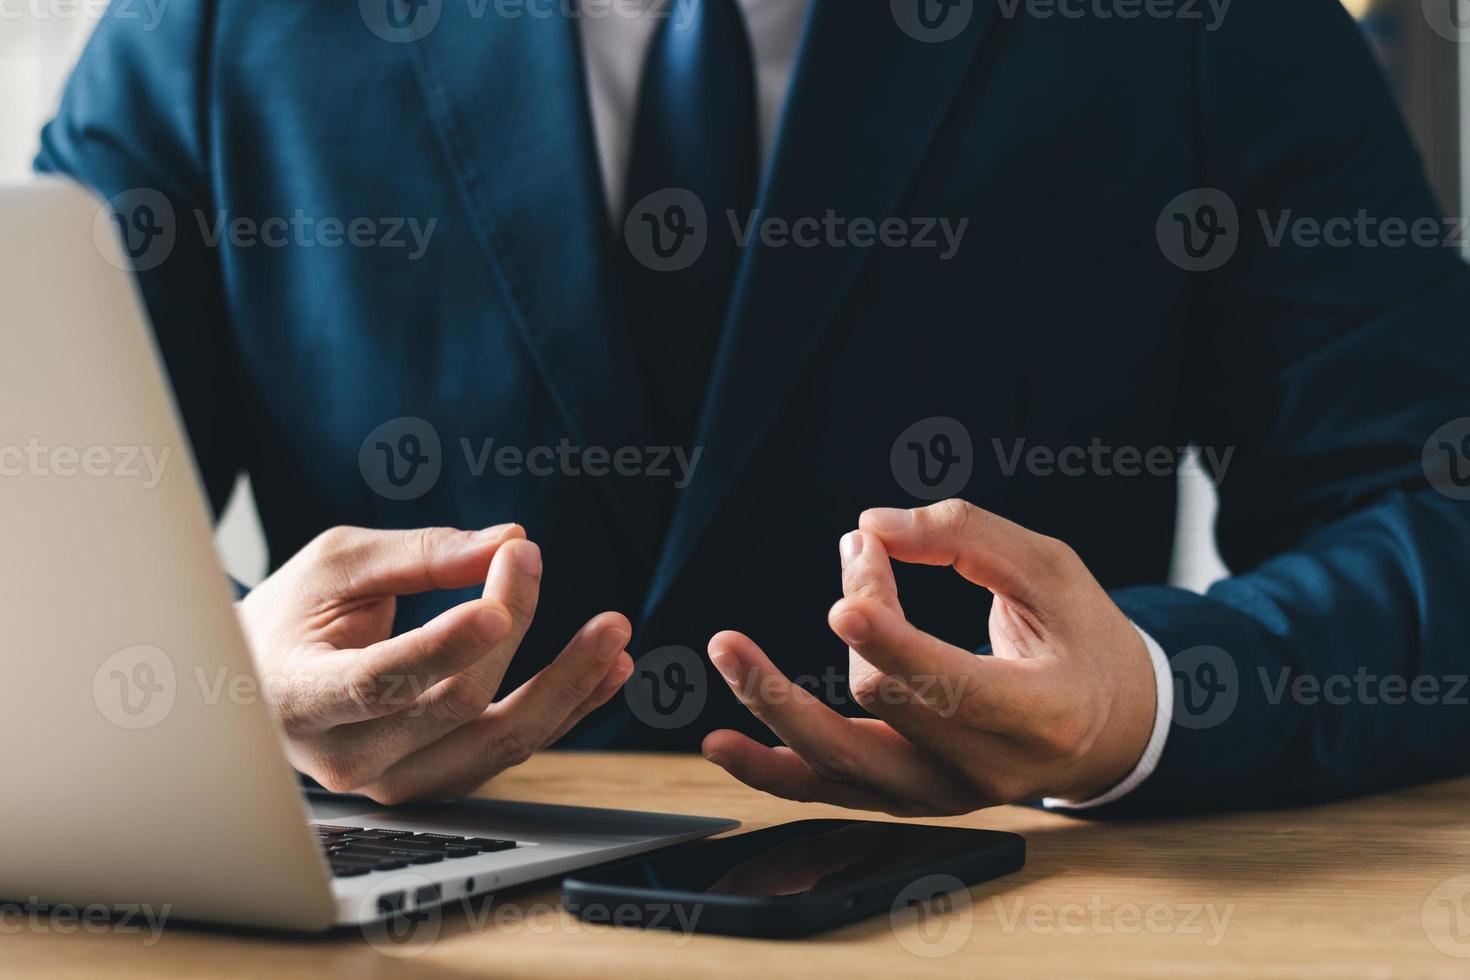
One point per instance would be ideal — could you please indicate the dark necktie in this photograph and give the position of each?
(695, 138)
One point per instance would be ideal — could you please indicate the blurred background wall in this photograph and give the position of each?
(1421, 43)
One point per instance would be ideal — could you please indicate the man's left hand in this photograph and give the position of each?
(1064, 708)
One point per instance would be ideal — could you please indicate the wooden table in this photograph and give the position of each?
(1372, 888)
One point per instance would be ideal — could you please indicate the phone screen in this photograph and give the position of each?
(810, 857)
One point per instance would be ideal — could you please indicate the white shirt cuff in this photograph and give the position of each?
(1163, 713)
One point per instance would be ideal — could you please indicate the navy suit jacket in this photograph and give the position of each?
(1060, 321)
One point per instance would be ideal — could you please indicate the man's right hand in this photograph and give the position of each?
(411, 716)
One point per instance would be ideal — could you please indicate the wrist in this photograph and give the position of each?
(1153, 750)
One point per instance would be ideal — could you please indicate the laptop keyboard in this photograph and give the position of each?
(353, 851)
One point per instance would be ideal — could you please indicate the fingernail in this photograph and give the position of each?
(888, 520)
(852, 626)
(528, 556)
(851, 547)
(493, 533)
(728, 665)
(611, 643)
(717, 759)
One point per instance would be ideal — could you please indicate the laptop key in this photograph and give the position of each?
(349, 870)
(405, 842)
(440, 838)
(327, 828)
(392, 864)
(373, 835)
(399, 854)
(488, 844)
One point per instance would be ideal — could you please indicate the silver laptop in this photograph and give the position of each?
(139, 767)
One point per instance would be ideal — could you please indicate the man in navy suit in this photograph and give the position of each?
(681, 289)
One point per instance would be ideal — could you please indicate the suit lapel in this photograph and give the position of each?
(507, 98)
(866, 101)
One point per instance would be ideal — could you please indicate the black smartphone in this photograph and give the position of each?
(791, 880)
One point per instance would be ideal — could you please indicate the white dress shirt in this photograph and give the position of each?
(615, 40)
